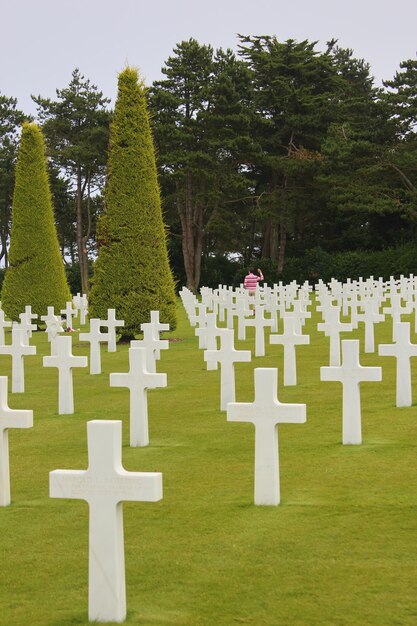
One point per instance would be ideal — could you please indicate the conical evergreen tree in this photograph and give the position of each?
(36, 273)
(132, 272)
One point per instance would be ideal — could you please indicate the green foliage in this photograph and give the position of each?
(132, 272)
(36, 274)
(11, 120)
(76, 127)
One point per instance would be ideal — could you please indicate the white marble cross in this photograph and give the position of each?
(105, 485)
(403, 350)
(138, 380)
(69, 313)
(351, 373)
(289, 339)
(95, 337)
(265, 413)
(26, 321)
(260, 323)
(17, 350)
(9, 418)
(111, 323)
(152, 343)
(227, 356)
(3, 324)
(396, 310)
(207, 337)
(332, 328)
(65, 361)
(369, 317)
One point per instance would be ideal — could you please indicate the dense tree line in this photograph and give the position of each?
(264, 153)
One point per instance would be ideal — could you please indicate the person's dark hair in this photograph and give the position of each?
(251, 270)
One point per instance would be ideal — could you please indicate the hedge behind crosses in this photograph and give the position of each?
(36, 273)
(132, 272)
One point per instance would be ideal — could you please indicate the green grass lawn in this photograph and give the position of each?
(339, 549)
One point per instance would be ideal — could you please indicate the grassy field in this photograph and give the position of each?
(340, 548)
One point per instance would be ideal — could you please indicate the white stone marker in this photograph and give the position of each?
(152, 343)
(104, 485)
(138, 380)
(227, 356)
(289, 339)
(207, 337)
(111, 323)
(9, 418)
(266, 412)
(69, 312)
(26, 320)
(64, 360)
(17, 350)
(403, 350)
(160, 327)
(332, 328)
(370, 316)
(260, 323)
(95, 337)
(350, 373)
(3, 324)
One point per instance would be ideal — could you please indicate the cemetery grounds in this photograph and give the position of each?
(339, 549)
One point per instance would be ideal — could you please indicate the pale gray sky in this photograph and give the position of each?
(42, 42)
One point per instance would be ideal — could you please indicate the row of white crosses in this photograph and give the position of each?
(105, 484)
(350, 373)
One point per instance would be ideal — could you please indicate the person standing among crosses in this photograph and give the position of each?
(251, 281)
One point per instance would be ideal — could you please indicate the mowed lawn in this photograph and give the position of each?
(340, 548)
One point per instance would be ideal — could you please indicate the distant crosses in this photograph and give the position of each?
(81, 305)
(403, 350)
(289, 339)
(111, 323)
(138, 380)
(65, 361)
(104, 485)
(227, 356)
(17, 350)
(9, 418)
(95, 337)
(266, 412)
(350, 373)
(53, 327)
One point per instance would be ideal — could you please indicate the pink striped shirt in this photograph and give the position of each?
(251, 281)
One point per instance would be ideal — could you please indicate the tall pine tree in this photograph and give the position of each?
(36, 273)
(132, 272)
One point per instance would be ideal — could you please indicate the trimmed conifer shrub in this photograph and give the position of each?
(36, 273)
(132, 272)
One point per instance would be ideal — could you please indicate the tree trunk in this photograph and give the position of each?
(82, 251)
(282, 245)
(192, 236)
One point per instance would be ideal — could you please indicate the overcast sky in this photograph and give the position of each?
(42, 42)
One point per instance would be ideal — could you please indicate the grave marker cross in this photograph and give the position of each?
(403, 350)
(64, 360)
(227, 356)
(265, 413)
(138, 380)
(17, 350)
(104, 485)
(350, 373)
(9, 418)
